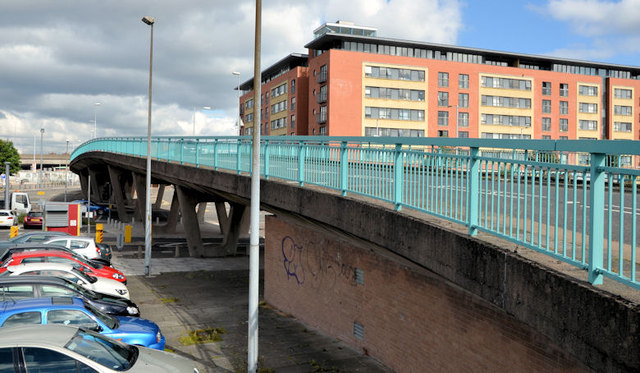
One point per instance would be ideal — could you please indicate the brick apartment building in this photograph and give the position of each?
(354, 83)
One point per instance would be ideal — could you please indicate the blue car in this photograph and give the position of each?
(73, 311)
(97, 209)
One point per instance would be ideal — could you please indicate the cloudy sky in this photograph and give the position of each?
(59, 58)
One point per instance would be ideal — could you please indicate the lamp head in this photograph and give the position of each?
(148, 20)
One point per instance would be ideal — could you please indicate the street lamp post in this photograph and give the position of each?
(66, 173)
(194, 118)
(95, 120)
(238, 89)
(7, 203)
(147, 227)
(41, 152)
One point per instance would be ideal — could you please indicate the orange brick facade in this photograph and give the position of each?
(412, 320)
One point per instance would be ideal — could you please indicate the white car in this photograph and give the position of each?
(81, 245)
(7, 218)
(98, 284)
(61, 348)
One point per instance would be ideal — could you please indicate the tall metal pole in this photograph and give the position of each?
(7, 203)
(89, 205)
(254, 237)
(238, 120)
(147, 224)
(66, 173)
(95, 120)
(41, 152)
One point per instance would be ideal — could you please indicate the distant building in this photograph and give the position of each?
(354, 83)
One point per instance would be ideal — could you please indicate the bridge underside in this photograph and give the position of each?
(596, 328)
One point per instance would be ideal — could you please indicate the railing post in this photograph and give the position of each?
(266, 159)
(197, 153)
(301, 161)
(344, 168)
(474, 188)
(182, 151)
(398, 173)
(238, 158)
(215, 154)
(596, 217)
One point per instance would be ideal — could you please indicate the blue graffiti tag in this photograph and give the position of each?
(292, 259)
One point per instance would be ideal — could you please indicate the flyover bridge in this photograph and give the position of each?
(573, 201)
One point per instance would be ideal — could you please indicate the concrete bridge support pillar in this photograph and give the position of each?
(232, 225)
(140, 180)
(96, 191)
(172, 219)
(84, 182)
(202, 209)
(158, 204)
(114, 176)
(188, 203)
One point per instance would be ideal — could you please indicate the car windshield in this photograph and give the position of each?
(73, 286)
(84, 276)
(108, 320)
(105, 351)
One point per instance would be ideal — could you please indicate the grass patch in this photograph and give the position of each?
(200, 336)
(169, 300)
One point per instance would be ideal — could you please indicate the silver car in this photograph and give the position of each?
(60, 348)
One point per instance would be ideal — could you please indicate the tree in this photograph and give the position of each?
(8, 153)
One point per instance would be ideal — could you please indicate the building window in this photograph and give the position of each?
(463, 119)
(546, 106)
(463, 100)
(564, 125)
(546, 124)
(293, 86)
(505, 83)
(622, 93)
(564, 107)
(564, 90)
(279, 90)
(622, 127)
(394, 93)
(588, 90)
(322, 77)
(463, 134)
(500, 101)
(248, 104)
(564, 137)
(443, 98)
(463, 81)
(588, 125)
(443, 133)
(622, 110)
(392, 132)
(322, 115)
(322, 97)
(443, 118)
(293, 121)
(546, 137)
(443, 79)
(588, 108)
(293, 103)
(393, 73)
(546, 88)
(393, 113)
(505, 120)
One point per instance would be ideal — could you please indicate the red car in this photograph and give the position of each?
(33, 220)
(55, 256)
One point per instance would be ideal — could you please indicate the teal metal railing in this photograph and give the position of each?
(575, 200)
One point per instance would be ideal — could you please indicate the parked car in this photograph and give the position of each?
(60, 256)
(28, 287)
(97, 209)
(8, 219)
(68, 271)
(74, 311)
(60, 348)
(84, 246)
(6, 253)
(33, 219)
(33, 237)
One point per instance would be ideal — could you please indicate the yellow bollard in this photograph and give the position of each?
(99, 232)
(14, 231)
(127, 234)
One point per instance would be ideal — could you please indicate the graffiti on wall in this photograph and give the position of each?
(318, 268)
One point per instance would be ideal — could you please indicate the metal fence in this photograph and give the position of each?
(575, 200)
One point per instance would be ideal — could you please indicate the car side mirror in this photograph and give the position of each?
(96, 328)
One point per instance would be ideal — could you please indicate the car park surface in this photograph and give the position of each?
(56, 348)
(59, 256)
(68, 271)
(28, 287)
(74, 312)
